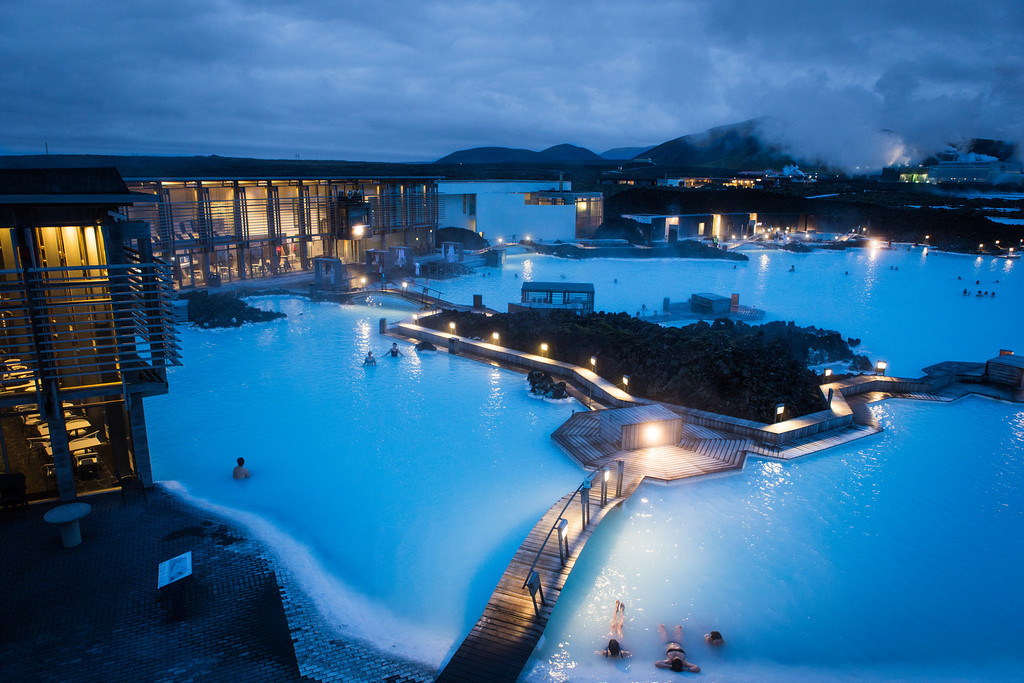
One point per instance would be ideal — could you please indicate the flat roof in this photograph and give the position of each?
(1009, 359)
(558, 287)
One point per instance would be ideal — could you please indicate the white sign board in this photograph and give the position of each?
(175, 569)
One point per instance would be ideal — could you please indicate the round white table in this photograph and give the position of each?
(66, 517)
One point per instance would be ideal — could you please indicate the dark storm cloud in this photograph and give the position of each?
(404, 80)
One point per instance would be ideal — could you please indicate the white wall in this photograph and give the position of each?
(501, 211)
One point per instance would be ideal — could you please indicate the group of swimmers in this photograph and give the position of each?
(675, 656)
(394, 352)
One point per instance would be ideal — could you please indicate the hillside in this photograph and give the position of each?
(564, 154)
(738, 147)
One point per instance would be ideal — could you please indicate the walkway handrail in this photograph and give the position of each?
(554, 526)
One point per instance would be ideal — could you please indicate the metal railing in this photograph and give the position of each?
(85, 325)
(561, 526)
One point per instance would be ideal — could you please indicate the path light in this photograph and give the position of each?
(495, 336)
(618, 484)
(362, 281)
(593, 368)
(358, 230)
(604, 485)
(780, 408)
(544, 350)
(927, 237)
(625, 382)
(563, 539)
(828, 372)
(593, 363)
(500, 240)
(405, 284)
(451, 326)
(880, 367)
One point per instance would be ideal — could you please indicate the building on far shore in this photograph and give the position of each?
(86, 330)
(514, 210)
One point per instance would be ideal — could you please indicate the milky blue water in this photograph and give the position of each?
(397, 493)
(912, 317)
(894, 558)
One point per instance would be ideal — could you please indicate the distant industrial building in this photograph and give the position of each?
(987, 172)
(515, 210)
(722, 226)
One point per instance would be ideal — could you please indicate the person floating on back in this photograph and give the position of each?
(675, 656)
(614, 648)
(240, 472)
(369, 360)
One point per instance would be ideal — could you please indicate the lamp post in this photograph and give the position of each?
(544, 350)
(451, 326)
(605, 473)
(780, 408)
(625, 382)
(496, 337)
(593, 368)
(828, 373)
(563, 539)
(880, 367)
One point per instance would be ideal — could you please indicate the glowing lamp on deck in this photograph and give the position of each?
(544, 349)
(828, 372)
(500, 240)
(358, 231)
(880, 367)
(451, 326)
(780, 408)
(593, 363)
(652, 434)
(625, 381)
(362, 281)
(405, 284)
(495, 336)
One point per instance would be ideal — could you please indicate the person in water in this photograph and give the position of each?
(395, 351)
(675, 656)
(614, 648)
(240, 472)
(714, 638)
(369, 360)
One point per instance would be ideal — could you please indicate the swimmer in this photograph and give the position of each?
(240, 472)
(395, 351)
(369, 360)
(714, 638)
(614, 648)
(675, 656)
(792, 269)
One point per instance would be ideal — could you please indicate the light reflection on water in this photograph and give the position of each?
(892, 557)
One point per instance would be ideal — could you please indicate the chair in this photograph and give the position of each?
(12, 490)
(130, 480)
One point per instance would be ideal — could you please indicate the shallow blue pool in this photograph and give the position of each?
(397, 494)
(896, 557)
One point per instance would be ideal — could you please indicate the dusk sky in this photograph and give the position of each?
(413, 81)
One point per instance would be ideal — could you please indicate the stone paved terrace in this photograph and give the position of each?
(91, 613)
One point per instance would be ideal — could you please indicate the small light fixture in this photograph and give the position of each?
(880, 367)
(780, 408)
(625, 381)
(544, 349)
(362, 281)
(495, 336)
(405, 284)
(593, 363)
(451, 326)
(828, 372)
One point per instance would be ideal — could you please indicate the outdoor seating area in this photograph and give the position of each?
(29, 449)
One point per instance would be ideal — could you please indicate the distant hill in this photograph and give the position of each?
(621, 153)
(505, 155)
(737, 147)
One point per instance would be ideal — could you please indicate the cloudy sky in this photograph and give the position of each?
(396, 80)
